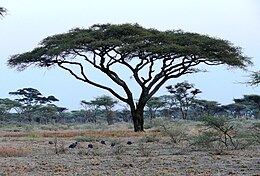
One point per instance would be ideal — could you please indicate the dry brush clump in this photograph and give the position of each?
(177, 131)
(256, 132)
(9, 151)
(220, 133)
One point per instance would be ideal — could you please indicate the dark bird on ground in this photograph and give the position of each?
(51, 142)
(103, 142)
(129, 142)
(73, 145)
(113, 144)
(90, 146)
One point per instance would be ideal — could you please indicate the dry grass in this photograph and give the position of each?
(74, 133)
(8, 151)
(151, 153)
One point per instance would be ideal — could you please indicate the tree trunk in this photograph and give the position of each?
(138, 118)
(110, 117)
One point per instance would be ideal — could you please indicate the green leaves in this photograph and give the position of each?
(31, 96)
(3, 11)
(130, 40)
(254, 79)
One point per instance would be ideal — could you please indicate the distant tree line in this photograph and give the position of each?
(30, 106)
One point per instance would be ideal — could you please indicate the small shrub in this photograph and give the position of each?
(59, 147)
(206, 139)
(228, 132)
(144, 150)
(177, 132)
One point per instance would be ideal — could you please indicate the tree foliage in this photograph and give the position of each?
(207, 107)
(251, 104)
(31, 96)
(104, 101)
(3, 11)
(225, 131)
(153, 105)
(32, 100)
(254, 79)
(6, 105)
(185, 94)
(151, 56)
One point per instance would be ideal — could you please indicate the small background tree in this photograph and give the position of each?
(31, 100)
(6, 105)
(185, 94)
(153, 105)
(251, 104)
(91, 109)
(206, 107)
(107, 103)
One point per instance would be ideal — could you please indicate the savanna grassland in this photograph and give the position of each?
(165, 148)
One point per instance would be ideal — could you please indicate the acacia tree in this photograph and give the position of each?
(31, 100)
(91, 110)
(108, 103)
(6, 105)
(185, 94)
(151, 57)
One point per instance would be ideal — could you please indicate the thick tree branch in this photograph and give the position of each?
(85, 79)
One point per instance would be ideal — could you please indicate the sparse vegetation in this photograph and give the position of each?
(144, 149)
(195, 146)
(177, 131)
(222, 133)
(118, 149)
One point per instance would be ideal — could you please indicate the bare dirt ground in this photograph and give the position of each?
(150, 154)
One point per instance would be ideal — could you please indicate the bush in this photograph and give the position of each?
(206, 139)
(226, 131)
(144, 150)
(177, 131)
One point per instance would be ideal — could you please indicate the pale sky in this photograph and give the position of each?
(30, 21)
